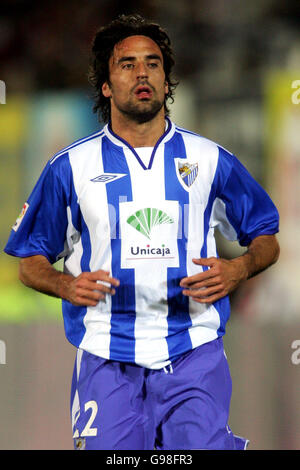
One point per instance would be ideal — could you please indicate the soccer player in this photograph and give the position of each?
(132, 210)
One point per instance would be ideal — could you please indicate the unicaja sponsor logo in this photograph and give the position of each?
(144, 220)
(150, 252)
(2, 92)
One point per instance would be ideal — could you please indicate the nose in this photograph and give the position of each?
(141, 71)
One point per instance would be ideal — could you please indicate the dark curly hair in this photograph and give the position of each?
(102, 48)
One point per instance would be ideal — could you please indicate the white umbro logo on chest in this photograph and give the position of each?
(107, 177)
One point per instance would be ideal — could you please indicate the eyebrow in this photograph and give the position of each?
(133, 58)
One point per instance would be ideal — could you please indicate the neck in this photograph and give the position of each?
(144, 134)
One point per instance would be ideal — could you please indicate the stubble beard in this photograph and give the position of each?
(141, 112)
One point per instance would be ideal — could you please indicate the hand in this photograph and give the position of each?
(88, 288)
(222, 277)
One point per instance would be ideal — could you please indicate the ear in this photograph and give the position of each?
(166, 88)
(106, 91)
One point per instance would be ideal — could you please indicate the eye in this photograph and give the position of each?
(127, 66)
(152, 65)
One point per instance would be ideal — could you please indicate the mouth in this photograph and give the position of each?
(143, 92)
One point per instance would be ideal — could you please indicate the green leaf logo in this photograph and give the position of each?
(144, 220)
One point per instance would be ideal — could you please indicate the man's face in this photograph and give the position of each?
(137, 85)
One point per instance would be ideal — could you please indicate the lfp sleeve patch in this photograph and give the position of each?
(20, 217)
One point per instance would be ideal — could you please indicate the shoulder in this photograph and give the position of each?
(197, 139)
(206, 146)
(80, 147)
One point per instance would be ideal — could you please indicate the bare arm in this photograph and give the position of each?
(36, 272)
(225, 275)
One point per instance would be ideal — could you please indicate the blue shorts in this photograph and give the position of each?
(120, 406)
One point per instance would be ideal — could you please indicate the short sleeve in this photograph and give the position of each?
(41, 227)
(243, 207)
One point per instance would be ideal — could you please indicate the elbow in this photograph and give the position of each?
(22, 273)
(276, 250)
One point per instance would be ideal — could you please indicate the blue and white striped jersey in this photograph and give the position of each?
(98, 206)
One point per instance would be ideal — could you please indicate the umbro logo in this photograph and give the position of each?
(107, 177)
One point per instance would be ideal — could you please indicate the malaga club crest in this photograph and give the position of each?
(186, 172)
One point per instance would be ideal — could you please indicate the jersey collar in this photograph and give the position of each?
(119, 141)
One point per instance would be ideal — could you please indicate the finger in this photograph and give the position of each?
(203, 293)
(213, 281)
(105, 287)
(203, 276)
(89, 294)
(95, 286)
(204, 261)
(83, 301)
(104, 276)
(208, 300)
(101, 275)
(207, 274)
